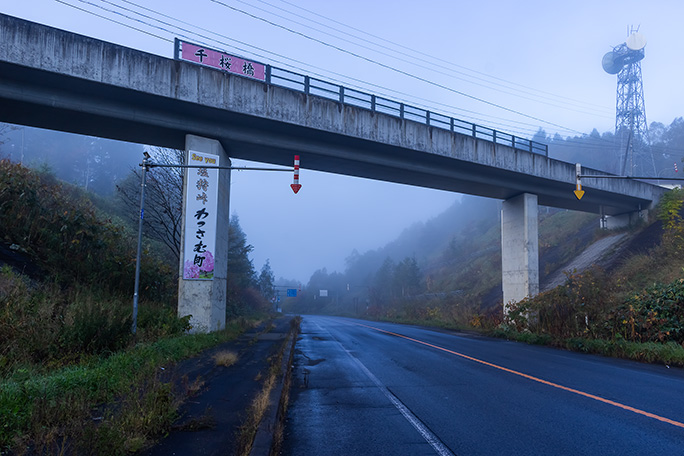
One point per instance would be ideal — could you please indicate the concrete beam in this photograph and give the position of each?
(205, 300)
(519, 248)
(54, 79)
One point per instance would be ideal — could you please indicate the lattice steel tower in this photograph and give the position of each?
(631, 128)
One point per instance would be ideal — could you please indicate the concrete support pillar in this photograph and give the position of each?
(519, 248)
(205, 300)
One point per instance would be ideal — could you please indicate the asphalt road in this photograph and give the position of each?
(366, 388)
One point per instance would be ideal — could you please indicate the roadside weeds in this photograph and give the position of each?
(669, 353)
(262, 431)
(113, 406)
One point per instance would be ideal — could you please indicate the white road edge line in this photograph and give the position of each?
(426, 433)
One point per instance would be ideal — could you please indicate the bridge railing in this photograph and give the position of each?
(353, 97)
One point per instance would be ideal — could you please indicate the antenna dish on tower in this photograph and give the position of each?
(624, 54)
(611, 64)
(630, 115)
(636, 41)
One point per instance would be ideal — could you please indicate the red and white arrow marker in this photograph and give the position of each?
(296, 185)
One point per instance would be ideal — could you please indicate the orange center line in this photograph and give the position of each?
(536, 379)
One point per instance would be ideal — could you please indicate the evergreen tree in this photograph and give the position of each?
(241, 273)
(384, 279)
(266, 280)
(318, 281)
(407, 278)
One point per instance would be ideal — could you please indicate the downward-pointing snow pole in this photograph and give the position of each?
(296, 185)
(579, 193)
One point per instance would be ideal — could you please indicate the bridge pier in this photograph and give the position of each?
(519, 248)
(205, 299)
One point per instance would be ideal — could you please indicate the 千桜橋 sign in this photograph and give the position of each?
(201, 206)
(220, 60)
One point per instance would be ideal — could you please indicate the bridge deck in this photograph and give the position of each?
(55, 79)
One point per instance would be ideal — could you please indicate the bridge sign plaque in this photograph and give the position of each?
(219, 60)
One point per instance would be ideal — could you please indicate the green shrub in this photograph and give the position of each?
(669, 211)
(654, 315)
(156, 321)
(576, 308)
(94, 326)
(60, 230)
(38, 407)
(65, 342)
(48, 326)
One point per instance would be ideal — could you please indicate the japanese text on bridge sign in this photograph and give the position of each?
(220, 60)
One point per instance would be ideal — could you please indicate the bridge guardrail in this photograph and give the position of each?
(345, 95)
(313, 86)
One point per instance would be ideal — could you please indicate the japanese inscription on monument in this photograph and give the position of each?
(201, 206)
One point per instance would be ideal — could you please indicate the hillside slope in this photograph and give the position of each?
(601, 252)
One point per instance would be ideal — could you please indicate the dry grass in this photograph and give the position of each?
(256, 412)
(279, 432)
(225, 358)
(192, 389)
(261, 403)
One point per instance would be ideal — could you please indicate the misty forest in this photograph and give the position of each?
(447, 268)
(69, 208)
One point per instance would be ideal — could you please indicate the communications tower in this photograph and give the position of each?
(631, 129)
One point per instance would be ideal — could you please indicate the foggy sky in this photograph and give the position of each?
(329, 217)
(546, 53)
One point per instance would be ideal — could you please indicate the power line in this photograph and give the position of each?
(523, 131)
(388, 67)
(481, 120)
(440, 67)
(112, 20)
(584, 142)
(424, 54)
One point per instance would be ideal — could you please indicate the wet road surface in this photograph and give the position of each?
(367, 388)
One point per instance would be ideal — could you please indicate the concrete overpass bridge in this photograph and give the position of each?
(50, 78)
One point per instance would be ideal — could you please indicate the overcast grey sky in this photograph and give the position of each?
(515, 66)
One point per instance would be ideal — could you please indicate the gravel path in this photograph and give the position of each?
(590, 256)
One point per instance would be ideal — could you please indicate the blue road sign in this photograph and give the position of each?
(291, 292)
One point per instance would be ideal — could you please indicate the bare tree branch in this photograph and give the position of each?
(163, 195)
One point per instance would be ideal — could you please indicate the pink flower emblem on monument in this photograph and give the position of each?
(191, 271)
(208, 263)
